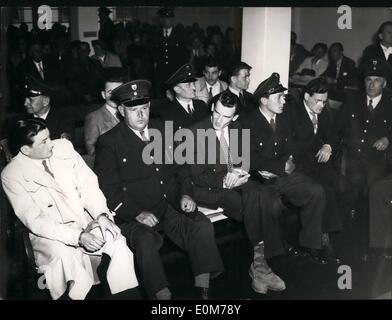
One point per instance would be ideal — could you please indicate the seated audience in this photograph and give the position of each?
(106, 58)
(85, 77)
(297, 54)
(340, 72)
(57, 197)
(156, 197)
(312, 67)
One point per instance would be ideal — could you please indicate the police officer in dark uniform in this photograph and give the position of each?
(155, 197)
(364, 126)
(184, 110)
(106, 30)
(169, 50)
(38, 104)
(273, 162)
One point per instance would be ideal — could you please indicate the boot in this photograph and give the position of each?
(263, 278)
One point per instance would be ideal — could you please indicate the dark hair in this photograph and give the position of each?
(381, 28)
(23, 132)
(318, 85)
(338, 45)
(228, 99)
(237, 67)
(99, 43)
(211, 62)
(319, 45)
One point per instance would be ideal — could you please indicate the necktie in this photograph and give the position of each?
(190, 111)
(370, 105)
(118, 116)
(241, 97)
(210, 94)
(41, 70)
(144, 136)
(166, 33)
(314, 122)
(226, 151)
(46, 168)
(273, 125)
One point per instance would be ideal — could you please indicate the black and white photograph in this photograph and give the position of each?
(192, 153)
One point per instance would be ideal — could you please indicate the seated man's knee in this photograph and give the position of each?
(203, 226)
(145, 240)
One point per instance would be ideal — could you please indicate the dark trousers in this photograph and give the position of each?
(305, 193)
(253, 204)
(360, 177)
(193, 233)
(380, 214)
(327, 176)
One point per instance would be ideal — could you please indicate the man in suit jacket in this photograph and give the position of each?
(340, 72)
(315, 145)
(364, 126)
(57, 197)
(106, 117)
(184, 110)
(273, 162)
(239, 76)
(210, 85)
(169, 51)
(106, 58)
(155, 196)
(382, 50)
(224, 183)
(38, 104)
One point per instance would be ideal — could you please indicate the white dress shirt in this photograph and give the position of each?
(215, 88)
(138, 133)
(185, 105)
(167, 31)
(387, 51)
(375, 100)
(113, 111)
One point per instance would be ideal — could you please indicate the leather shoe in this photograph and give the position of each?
(293, 251)
(316, 255)
(203, 293)
(330, 254)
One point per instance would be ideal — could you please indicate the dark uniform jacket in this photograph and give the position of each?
(169, 53)
(125, 178)
(59, 122)
(182, 119)
(307, 142)
(358, 128)
(375, 52)
(269, 150)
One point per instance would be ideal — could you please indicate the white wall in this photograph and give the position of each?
(266, 43)
(320, 25)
